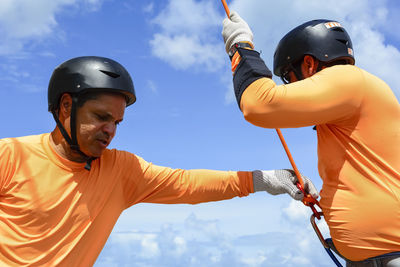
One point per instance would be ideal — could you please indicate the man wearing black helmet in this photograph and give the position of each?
(62, 192)
(357, 120)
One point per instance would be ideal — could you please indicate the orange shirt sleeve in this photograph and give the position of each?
(156, 184)
(326, 97)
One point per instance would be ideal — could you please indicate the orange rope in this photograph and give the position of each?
(289, 155)
(226, 8)
(308, 200)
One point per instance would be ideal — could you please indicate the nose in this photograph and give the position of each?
(110, 129)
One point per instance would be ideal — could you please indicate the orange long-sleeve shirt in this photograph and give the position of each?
(358, 128)
(54, 212)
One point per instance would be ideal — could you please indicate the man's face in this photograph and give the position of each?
(97, 122)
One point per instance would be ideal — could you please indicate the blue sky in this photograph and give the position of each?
(186, 116)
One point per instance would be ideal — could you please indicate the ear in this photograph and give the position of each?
(310, 64)
(65, 105)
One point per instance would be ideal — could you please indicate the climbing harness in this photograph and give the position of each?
(308, 200)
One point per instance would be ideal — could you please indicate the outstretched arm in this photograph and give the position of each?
(157, 184)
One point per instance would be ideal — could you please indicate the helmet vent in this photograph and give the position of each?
(111, 74)
(343, 41)
(337, 29)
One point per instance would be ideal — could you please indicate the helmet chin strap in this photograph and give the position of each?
(73, 141)
(296, 68)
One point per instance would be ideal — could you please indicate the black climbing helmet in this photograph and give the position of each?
(83, 74)
(326, 40)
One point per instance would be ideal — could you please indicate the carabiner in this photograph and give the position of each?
(322, 240)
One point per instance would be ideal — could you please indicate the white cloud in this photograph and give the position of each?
(150, 246)
(24, 25)
(187, 16)
(393, 19)
(296, 211)
(183, 51)
(203, 243)
(180, 244)
(376, 56)
(189, 35)
(190, 32)
(24, 21)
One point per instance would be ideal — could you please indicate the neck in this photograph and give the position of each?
(63, 149)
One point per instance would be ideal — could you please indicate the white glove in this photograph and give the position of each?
(235, 30)
(278, 182)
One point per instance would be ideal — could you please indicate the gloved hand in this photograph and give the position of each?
(278, 182)
(235, 30)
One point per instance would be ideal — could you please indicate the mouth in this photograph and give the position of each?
(103, 143)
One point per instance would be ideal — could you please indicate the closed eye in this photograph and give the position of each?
(107, 118)
(101, 117)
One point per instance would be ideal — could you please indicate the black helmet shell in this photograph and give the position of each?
(326, 40)
(82, 74)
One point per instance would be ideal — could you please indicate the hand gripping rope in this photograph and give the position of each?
(308, 200)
